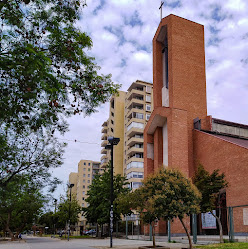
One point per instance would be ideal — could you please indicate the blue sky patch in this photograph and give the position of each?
(134, 20)
(173, 4)
(117, 32)
(217, 15)
(99, 7)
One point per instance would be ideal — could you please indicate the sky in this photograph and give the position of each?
(122, 33)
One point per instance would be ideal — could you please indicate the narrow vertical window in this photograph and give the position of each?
(165, 63)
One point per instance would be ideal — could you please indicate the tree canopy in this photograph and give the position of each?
(210, 186)
(167, 195)
(46, 75)
(20, 203)
(98, 198)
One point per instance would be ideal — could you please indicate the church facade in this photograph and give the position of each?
(179, 133)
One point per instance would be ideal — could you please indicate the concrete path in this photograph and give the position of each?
(49, 243)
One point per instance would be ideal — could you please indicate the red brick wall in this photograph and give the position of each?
(215, 153)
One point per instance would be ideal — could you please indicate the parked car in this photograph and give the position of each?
(91, 232)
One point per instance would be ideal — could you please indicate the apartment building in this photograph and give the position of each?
(114, 127)
(138, 108)
(128, 115)
(87, 170)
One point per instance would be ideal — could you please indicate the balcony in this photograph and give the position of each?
(135, 103)
(104, 136)
(104, 151)
(133, 131)
(137, 115)
(104, 165)
(136, 92)
(134, 159)
(134, 150)
(133, 140)
(104, 129)
(104, 143)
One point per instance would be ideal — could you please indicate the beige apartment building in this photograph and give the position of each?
(128, 116)
(114, 127)
(87, 169)
(138, 108)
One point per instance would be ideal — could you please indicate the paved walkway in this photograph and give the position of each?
(49, 243)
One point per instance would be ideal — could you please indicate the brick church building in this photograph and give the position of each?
(179, 133)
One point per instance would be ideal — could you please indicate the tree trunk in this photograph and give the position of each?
(7, 228)
(220, 226)
(97, 231)
(153, 236)
(188, 235)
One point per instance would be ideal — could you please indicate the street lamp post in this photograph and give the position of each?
(112, 141)
(70, 185)
(55, 204)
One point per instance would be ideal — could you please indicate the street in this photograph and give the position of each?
(49, 243)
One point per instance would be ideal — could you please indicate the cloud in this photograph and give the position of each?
(122, 33)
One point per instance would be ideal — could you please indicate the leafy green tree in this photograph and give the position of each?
(210, 186)
(67, 210)
(45, 76)
(48, 219)
(20, 203)
(98, 198)
(166, 194)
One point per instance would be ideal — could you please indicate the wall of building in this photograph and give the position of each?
(216, 153)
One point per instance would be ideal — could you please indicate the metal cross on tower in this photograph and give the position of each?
(161, 9)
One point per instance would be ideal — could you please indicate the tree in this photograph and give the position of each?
(166, 194)
(20, 203)
(98, 198)
(63, 215)
(210, 186)
(45, 76)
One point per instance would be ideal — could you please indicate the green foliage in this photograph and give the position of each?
(98, 199)
(67, 210)
(166, 194)
(20, 203)
(209, 185)
(45, 76)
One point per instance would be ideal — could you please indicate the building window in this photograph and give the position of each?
(83, 186)
(148, 98)
(84, 163)
(83, 192)
(82, 204)
(88, 187)
(148, 89)
(138, 145)
(135, 165)
(113, 103)
(148, 116)
(136, 125)
(84, 169)
(83, 175)
(88, 181)
(112, 114)
(148, 107)
(135, 174)
(112, 130)
(89, 164)
(112, 122)
(83, 180)
(83, 198)
(88, 175)
(88, 169)
(134, 185)
(138, 115)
